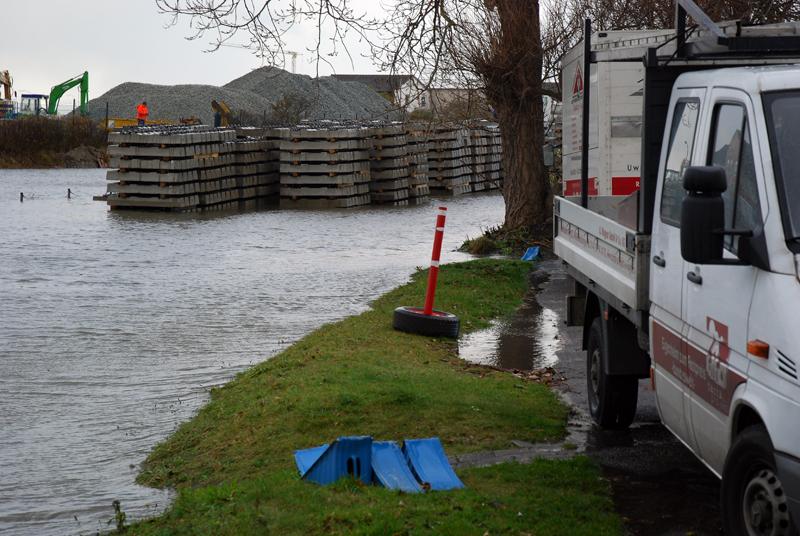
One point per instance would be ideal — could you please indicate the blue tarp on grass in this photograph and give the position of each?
(390, 468)
(420, 465)
(429, 463)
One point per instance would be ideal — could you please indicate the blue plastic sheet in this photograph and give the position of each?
(430, 465)
(421, 464)
(347, 456)
(306, 458)
(390, 468)
(531, 254)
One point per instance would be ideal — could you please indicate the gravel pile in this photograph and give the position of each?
(253, 93)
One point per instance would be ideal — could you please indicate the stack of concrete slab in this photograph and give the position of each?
(257, 167)
(418, 188)
(172, 168)
(479, 158)
(494, 158)
(389, 165)
(448, 161)
(324, 167)
(324, 164)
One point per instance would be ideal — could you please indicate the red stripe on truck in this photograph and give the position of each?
(573, 187)
(704, 375)
(624, 185)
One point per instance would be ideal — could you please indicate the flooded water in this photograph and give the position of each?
(526, 340)
(114, 325)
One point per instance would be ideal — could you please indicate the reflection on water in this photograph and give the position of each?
(526, 340)
(115, 325)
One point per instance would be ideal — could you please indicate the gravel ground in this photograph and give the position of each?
(254, 93)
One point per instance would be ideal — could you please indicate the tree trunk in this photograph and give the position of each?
(514, 87)
(526, 187)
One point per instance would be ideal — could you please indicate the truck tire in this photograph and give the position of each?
(753, 499)
(413, 320)
(612, 399)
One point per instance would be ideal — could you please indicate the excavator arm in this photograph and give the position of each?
(58, 91)
(5, 82)
(224, 111)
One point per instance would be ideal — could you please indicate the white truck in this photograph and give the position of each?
(693, 279)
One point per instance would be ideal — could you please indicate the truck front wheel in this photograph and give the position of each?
(612, 399)
(753, 499)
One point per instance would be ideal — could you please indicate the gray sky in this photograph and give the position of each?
(46, 42)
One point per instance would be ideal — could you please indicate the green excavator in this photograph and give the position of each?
(36, 104)
(58, 91)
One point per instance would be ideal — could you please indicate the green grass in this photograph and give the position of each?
(542, 498)
(233, 465)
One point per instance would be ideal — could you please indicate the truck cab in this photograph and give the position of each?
(724, 323)
(692, 279)
(33, 104)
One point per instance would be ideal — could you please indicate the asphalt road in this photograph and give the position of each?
(659, 487)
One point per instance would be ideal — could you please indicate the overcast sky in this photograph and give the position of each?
(46, 42)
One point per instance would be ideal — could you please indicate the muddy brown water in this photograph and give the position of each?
(114, 326)
(526, 340)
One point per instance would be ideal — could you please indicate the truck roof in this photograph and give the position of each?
(756, 79)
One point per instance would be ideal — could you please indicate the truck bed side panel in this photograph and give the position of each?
(600, 248)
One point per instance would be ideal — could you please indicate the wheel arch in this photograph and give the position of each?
(744, 416)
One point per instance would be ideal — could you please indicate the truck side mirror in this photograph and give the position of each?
(703, 214)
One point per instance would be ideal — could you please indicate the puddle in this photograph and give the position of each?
(526, 340)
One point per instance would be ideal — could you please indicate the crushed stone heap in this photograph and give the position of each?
(254, 94)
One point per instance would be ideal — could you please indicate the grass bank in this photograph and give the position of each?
(233, 466)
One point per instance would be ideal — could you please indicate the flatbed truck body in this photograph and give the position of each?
(692, 279)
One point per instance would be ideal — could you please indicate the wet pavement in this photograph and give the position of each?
(659, 487)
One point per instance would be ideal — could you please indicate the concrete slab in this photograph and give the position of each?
(385, 186)
(344, 202)
(336, 146)
(296, 192)
(324, 157)
(324, 180)
(324, 168)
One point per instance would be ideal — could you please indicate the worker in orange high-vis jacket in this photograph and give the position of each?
(142, 112)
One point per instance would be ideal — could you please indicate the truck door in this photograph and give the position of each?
(667, 272)
(717, 297)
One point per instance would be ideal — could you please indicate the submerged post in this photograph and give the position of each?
(433, 274)
(587, 84)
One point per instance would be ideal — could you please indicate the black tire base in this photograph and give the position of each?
(413, 320)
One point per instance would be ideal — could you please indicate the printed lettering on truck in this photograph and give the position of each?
(704, 372)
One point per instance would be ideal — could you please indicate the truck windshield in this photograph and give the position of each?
(782, 109)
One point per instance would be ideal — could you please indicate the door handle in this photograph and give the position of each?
(658, 260)
(695, 278)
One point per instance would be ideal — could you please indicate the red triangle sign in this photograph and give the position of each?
(577, 85)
